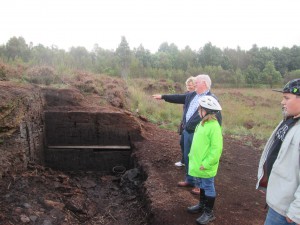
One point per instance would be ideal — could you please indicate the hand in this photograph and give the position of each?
(158, 97)
(290, 221)
(202, 167)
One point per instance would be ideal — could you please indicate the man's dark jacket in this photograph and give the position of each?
(186, 99)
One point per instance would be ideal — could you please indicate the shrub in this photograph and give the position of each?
(7, 72)
(2, 72)
(42, 75)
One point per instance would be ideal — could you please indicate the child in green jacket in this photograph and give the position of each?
(204, 157)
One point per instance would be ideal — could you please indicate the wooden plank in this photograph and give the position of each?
(90, 147)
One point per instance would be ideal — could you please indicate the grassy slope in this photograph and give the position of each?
(250, 111)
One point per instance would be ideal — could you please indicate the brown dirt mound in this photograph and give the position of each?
(162, 86)
(106, 89)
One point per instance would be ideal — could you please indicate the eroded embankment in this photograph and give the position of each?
(46, 130)
(21, 126)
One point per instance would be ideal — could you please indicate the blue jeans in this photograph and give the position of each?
(187, 143)
(208, 184)
(274, 218)
(182, 148)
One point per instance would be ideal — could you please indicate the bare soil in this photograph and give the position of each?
(237, 202)
(145, 195)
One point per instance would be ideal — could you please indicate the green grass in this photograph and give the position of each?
(164, 114)
(246, 111)
(250, 111)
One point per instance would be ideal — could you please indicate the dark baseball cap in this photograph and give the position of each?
(292, 87)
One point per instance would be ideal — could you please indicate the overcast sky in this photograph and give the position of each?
(224, 23)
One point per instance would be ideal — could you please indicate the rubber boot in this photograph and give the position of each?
(207, 215)
(200, 206)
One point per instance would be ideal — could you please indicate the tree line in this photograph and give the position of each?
(234, 67)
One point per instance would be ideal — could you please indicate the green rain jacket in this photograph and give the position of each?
(206, 150)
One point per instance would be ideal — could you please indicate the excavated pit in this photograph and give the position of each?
(95, 147)
(98, 141)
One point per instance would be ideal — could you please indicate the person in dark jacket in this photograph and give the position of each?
(190, 87)
(191, 119)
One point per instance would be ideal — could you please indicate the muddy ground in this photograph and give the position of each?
(147, 194)
(43, 196)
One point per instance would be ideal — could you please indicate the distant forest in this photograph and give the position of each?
(229, 67)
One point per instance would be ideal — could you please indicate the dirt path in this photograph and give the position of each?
(238, 201)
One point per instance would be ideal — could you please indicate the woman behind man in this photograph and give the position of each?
(190, 87)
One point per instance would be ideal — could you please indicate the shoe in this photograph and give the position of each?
(179, 164)
(205, 218)
(195, 191)
(199, 208)
(184, 184)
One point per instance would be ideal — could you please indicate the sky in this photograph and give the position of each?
(194, 23)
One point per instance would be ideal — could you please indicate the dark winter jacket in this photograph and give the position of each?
(186, 99)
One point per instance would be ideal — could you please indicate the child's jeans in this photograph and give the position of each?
(208, 184)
